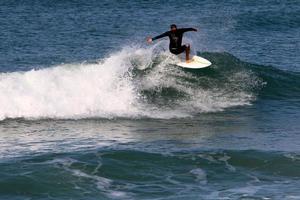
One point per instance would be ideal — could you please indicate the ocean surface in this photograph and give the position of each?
(90, 111)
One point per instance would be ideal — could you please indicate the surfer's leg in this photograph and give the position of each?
(187, 53)
(179, 50)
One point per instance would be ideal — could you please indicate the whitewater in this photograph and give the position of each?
(120, 85)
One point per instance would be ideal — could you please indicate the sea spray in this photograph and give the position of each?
(133, 82)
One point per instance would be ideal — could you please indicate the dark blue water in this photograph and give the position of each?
(89, 110)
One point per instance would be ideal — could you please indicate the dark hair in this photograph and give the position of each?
(173, 26)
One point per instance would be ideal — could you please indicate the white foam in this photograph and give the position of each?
(69, 91)
(225, 159)
(102, 183)
(106, 89)
(200, 175)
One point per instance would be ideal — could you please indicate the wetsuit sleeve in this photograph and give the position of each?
(187, 29)
(160, 36)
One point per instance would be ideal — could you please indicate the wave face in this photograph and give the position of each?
(137, 82)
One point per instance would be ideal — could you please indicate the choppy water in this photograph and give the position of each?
(88, 110)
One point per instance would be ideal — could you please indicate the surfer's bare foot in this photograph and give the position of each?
(188, 61)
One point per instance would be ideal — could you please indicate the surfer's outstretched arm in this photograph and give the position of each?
(160, 36)
(187, 29)
(157, 37)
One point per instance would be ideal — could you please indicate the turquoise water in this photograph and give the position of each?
(88, 110)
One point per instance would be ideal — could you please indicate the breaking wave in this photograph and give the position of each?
(137, 82)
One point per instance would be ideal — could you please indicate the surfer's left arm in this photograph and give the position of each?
(188, 29)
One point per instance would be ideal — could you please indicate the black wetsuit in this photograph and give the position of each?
(175, 39)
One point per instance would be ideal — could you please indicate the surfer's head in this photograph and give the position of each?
(173, 27)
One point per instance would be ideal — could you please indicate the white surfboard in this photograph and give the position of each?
(196, 63)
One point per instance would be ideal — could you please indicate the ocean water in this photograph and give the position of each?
(89, 111)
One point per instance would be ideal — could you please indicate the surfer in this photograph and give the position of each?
(175, 36)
